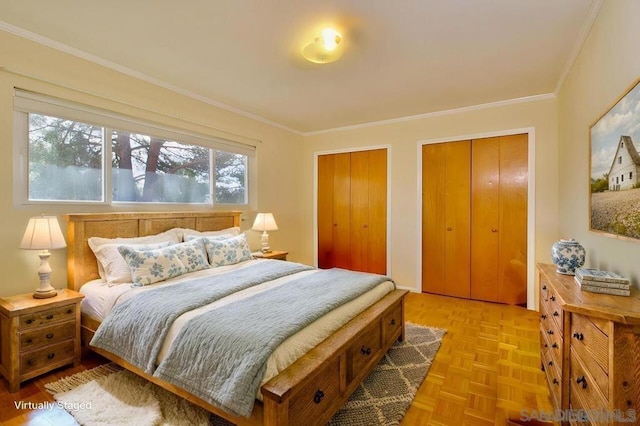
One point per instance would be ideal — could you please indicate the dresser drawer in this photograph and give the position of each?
(584, 392)
(590, 340)
(553, 378)
(391, 324)
(363, 351)
(317, 396)
(55, 333)
(41, 358)
(50, 316)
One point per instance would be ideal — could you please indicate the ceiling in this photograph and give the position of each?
(401, 58)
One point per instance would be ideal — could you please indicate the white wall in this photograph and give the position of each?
(607, 65)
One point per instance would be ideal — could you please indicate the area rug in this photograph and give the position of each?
(109, 395)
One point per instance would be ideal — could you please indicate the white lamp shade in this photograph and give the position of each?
(265, 222)
(43, 233)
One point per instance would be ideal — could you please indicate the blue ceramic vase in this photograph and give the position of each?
(568, 255)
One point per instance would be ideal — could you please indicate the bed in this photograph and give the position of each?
(309, 390)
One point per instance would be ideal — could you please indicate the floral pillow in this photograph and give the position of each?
(192, 254)
(150, 266)
(227, 251)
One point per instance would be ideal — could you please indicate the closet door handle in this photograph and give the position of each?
(365, 226)
(449, 228)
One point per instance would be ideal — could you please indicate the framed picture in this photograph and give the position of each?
(615, 168)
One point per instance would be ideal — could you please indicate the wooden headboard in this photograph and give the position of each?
(81, 263)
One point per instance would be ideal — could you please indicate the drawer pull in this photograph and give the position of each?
(393, 322)
(553, 298)
(556, 314)
(546, 346)
(578, 336)
(582, 380)
(365, 351)
(29, 321)
(28, 342)
(550, 331)
(50, 316)
(30, 362)
(49, 336)
(542, 366)
(318, 396)
(69, 310)
(555, 345)
(544, 287)
(51, 355)
(555, 381)
(543, 316)
(550, 363)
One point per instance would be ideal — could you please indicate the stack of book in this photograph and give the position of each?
(597, 281)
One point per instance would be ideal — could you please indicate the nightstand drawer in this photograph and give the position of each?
(49, 316)
(47, 335)
(41, 358)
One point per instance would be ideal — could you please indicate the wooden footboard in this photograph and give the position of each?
(313, 388)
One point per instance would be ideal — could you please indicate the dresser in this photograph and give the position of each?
(590, 351)
(38, 335)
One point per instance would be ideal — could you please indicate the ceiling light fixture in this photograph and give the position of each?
(325, 48)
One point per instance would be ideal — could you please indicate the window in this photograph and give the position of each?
(71, 153)
(621, 178)
(620, 160)
(630, 175)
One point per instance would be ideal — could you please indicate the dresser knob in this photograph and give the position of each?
(625, 383)
(553, 298)
(582, 380)
(50, 316)
(544, 287)
(578, 336)
(393, 322)
(51, 355)
(29, 321)
(555, 381)
(318, 396)
(550, 331)
(69, 310)
(555, 345)
(550, 363)
(49, 336)
(543, 316)
(555, 314)
(28, 342)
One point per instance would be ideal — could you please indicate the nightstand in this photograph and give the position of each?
(38, 335)
(275, 254)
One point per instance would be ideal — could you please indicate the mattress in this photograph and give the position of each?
(100, 299)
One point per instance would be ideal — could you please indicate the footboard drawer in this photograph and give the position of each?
(363, 351)
(391, 325)
(315, 397)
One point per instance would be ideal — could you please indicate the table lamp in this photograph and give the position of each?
(43, 233)
(265, 222)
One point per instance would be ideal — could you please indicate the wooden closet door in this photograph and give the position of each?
(324, 214)
(485, 223)
(514, 178)
(368, 211)
(499, 219)
(342, 211)
(446, 218)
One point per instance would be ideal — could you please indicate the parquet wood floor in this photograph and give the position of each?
(487, 369)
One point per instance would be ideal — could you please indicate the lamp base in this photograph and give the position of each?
(44, 294)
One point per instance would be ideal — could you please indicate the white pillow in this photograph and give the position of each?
(188, 234)
(227, 251)
(151, 266)
(121, 273)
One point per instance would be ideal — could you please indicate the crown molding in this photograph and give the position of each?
(590, 19)
(534, 98)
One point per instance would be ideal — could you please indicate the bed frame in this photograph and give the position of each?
(309, 391)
